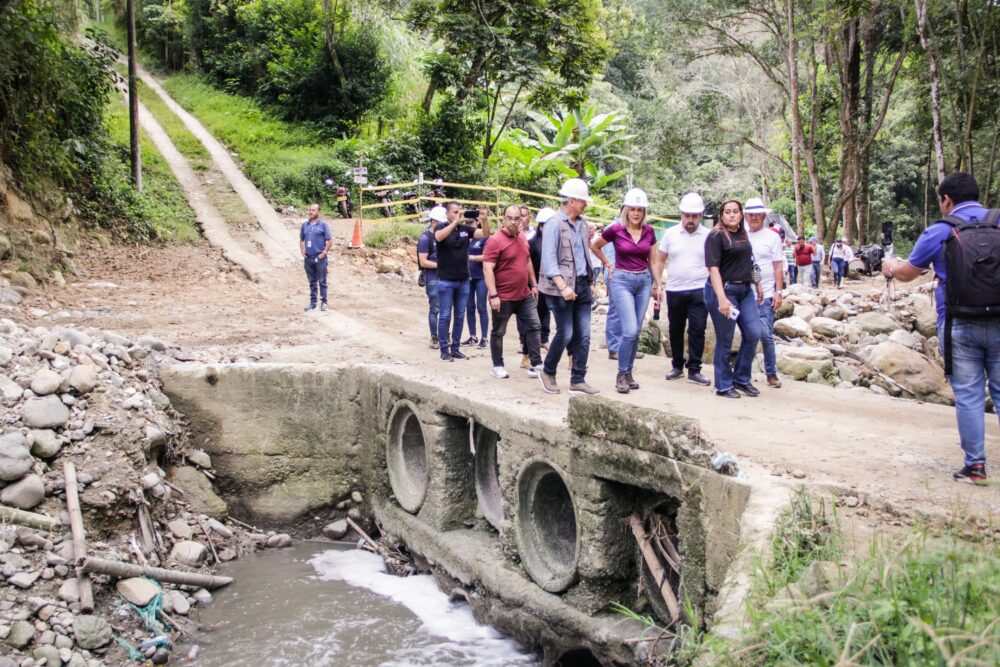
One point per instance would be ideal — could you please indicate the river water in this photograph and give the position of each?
(320, 604)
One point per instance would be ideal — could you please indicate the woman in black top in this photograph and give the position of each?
(731, 301)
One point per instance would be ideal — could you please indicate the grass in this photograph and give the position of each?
(391, 234)
(162, 199)
(287, 161)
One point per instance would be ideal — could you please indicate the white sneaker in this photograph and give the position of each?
(500, 372)
(534, 371)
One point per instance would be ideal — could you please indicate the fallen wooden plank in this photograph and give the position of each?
(126, 570)
(653, 563)
(29, 519)
(79, 537)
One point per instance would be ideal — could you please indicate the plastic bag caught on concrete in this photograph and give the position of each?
(726, 463)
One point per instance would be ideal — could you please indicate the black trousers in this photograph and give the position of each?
(544, 318)
(526, 311)
(688, 309)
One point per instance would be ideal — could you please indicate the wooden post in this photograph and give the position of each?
(133, 102)
(79, 537)
(29, 519)
(653, 563)
(126, 570)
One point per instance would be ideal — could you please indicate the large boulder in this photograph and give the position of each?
(83, 378)
(827, 327)
(45, 412)
(15, 457)
(45, 444)
(875, 323)
(804, 312)
(792, 327)
(187, 552)
(798, 362)
(199, 493)
(924, 315)
(137, 590)
(91, 631)
(45, 382)
(835, 312)
(913, 371)
(664, 327)
(25, 494)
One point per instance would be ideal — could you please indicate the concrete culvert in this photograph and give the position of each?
(578, 657)
(488, 476)
(406, 457)
(546, 526)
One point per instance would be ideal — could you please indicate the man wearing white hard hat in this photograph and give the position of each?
(632, 281)
(565, 280)
(769, 254)
(453, 237)
(683, 246)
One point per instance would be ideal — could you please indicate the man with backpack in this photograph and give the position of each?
(964, 249)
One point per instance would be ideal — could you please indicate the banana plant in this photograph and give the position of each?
(580, 143)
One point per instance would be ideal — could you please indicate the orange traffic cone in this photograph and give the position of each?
(356, 241)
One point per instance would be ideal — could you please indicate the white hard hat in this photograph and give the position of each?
(755, 205)
(692, 203)
(544, 215)
(576, 188)
(439, 214)
(636, 198)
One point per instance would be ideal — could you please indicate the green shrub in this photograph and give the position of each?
(394, 233)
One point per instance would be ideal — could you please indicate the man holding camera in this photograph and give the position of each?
(510, 281)
(453, 238)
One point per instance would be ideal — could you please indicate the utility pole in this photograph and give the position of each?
(133, 103)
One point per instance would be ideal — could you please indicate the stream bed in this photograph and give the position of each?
(321, 604)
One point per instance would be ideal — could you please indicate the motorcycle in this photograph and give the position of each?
(384, 197)
(413, 207)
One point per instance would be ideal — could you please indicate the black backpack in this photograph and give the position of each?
(972, 261)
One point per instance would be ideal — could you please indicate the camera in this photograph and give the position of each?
(471, 214)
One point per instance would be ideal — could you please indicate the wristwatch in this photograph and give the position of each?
(494, 296)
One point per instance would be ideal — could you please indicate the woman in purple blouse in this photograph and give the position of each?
(630, 280)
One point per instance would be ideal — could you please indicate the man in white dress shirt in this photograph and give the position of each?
(769, 254)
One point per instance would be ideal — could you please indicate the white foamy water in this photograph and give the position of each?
(451, 634)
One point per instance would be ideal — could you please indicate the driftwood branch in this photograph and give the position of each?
(126, 570)
(29, 519)
(79, 537)
(369, 541)
(653, 563)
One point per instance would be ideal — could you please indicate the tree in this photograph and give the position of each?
(545, 51)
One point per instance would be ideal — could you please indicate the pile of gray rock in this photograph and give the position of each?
(92, 398)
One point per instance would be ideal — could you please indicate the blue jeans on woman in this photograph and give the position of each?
(477, 302)
(452, 295)
(975, 360)
(744, 300)
(431, 288)
(839, 265)
(630, 293)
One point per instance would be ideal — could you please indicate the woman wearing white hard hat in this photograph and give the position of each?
(731, 301)
(632, 282)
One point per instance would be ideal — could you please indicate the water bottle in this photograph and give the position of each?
(656, 309)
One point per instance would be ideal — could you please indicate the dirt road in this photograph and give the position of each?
(894, 456)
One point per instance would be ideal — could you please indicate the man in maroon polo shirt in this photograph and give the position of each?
(510, 282)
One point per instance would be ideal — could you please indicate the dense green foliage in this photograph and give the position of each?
(54, 92)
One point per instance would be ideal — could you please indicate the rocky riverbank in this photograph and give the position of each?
(91, 398)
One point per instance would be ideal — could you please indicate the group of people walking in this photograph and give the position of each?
(732, 273)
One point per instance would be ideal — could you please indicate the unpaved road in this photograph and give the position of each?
(894, 455)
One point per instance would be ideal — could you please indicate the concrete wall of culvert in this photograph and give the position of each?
(529, 518)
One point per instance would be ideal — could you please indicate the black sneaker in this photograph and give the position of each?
(483, 343)
(729, 393)
(434, 343)
(675, 373)
(458, 355)
(974, 474)
(471, 340)
(446, 356)
(311, 306)
(698, 378)
(747, 389)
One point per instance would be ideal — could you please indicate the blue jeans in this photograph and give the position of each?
(817, 267)
(975, 355)
(572, 331)
(431, 288)
(767, 336)
(612, 326)
(477, 302)
(839, 265)
(316, 273)
(630, 293)
(452, 295)
(793, 274)
(744, 299)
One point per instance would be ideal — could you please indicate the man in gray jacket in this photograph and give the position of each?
(565, 281)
